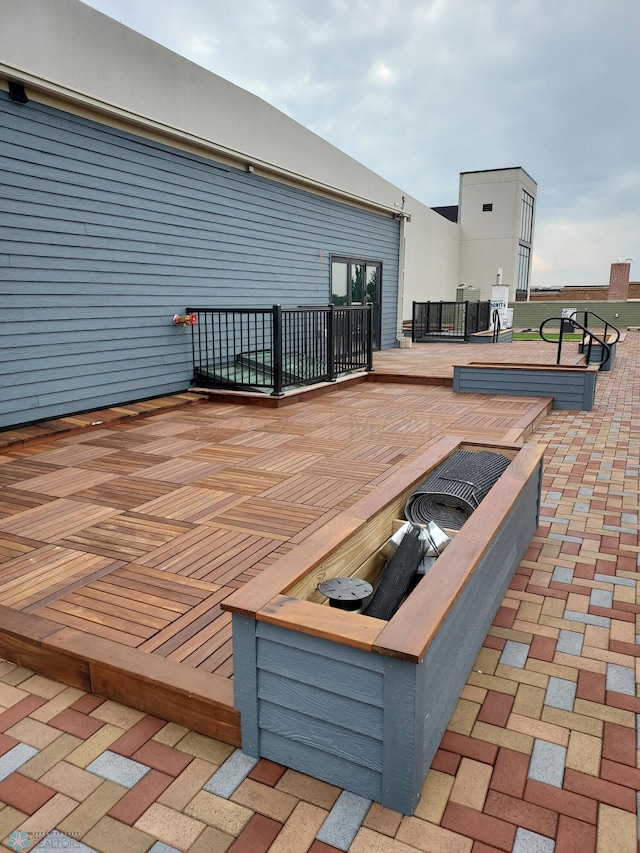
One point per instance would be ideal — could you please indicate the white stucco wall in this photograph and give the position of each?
(433, 245)
(489, 240)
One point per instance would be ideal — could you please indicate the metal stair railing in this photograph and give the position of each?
(607, 325)
(606, 349)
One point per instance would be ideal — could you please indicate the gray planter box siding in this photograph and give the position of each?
(596, 354)
(105, 235)
(571, 388)
(366, 720)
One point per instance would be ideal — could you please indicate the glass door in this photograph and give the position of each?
(358, 282)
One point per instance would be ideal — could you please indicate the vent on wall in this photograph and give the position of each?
(487, 208)
(17, 92)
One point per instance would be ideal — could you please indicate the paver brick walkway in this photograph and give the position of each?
(541, 753)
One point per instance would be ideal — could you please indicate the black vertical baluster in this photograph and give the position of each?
(276, 335)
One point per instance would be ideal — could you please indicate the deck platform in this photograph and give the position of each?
(119, 542)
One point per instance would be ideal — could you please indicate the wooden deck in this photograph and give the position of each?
(435, 361)
(119, 543)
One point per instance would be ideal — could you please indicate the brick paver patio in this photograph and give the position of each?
(540, 755)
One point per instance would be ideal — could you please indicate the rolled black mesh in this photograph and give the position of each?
(451, 493)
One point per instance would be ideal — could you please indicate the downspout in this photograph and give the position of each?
(403, 217)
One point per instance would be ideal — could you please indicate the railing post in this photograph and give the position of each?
(331, 349)
(413, 322)
(369, 310)
(559, 356)
(466, 319)
(276, 346)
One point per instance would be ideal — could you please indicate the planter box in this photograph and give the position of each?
(572, 387)
(360, 702)
(596, 353)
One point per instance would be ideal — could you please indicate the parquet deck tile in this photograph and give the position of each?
(171, 447)
(181, 471)
(13, 501)
(124, 463)
(216, 555)
(163, 427)
(206, 612)
(47, 573)
(109, 628)
(65, 482)
(125, 493)
(148, 584)
(127, 536)
(15, 546)
(55, 519)
(223, 454)
(311, 491)
(215, 649)
(191, 503)
(120, 439)
(362, 473)
(16, 470)
(314, 444)
(241, 481)
(370, 452)
(282, 461)
(72, 455)
(269, 518)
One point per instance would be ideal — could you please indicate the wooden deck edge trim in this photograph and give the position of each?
(415, 625)
(289, 569)
(198, 700)
(540, 408)
(147, 668)
(520, 366)
(380, 375)
(249, 398)
(167, 689)
(23, 640)
(319, 621)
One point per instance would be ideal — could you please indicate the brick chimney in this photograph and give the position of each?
(619, 282)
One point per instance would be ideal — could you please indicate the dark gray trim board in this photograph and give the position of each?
(105, 235)
(571, 388)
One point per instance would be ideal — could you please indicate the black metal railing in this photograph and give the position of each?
(276, 349)
(496, 326)
(449, 320)
(589, 337)
(609, 329)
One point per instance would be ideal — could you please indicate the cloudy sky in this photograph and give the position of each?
(420, 90)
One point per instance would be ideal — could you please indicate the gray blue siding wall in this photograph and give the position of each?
(105, 235)
(570, 389)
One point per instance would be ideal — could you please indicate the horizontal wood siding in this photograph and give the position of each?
(569, 389)
(105, 235)
(320, 708)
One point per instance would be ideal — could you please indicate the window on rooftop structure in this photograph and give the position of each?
(487, 208)
(524, 264)
(526, 224)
